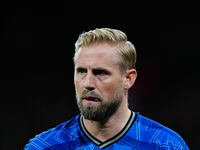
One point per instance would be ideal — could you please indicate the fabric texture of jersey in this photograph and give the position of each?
(140, 133)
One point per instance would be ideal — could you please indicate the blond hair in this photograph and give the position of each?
(126, 51)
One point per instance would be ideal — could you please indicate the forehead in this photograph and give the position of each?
(97, 55)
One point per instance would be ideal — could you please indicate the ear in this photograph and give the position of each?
(130, 77)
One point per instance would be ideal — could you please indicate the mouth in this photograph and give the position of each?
(90, 98)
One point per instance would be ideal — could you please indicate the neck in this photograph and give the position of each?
(106, 130)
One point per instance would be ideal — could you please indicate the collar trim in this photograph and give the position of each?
(111, 140)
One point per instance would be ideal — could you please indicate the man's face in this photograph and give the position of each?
(98, 82)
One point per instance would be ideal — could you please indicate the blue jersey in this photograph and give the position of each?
(140, 133)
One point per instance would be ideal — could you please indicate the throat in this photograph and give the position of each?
(105, 133)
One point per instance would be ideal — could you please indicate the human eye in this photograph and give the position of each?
(81, 70)
(100, 72)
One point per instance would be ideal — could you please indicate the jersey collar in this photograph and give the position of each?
(112, 140)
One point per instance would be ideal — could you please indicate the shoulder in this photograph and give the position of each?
(54, 136)
(158, 134)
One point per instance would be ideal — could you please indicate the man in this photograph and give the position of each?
(104, 63)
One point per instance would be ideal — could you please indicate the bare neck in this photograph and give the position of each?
(106, 130)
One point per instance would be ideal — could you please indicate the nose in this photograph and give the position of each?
(89, 82)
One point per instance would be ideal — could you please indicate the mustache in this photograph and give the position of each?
(87, 93)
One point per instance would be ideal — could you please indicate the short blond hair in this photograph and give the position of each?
(126, 50)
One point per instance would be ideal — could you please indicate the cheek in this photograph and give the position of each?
(77, 84)
(111, 89)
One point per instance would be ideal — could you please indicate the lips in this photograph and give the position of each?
(90, 98)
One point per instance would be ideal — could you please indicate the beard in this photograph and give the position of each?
(100, 112)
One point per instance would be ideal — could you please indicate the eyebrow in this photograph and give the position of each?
(79, 68)
(93, 69)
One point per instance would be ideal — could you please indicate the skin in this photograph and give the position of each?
(96, 71)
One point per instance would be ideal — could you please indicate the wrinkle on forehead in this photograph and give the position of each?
(104, 44)
(96, 55)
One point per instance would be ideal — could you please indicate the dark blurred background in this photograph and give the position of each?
(37, 90)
